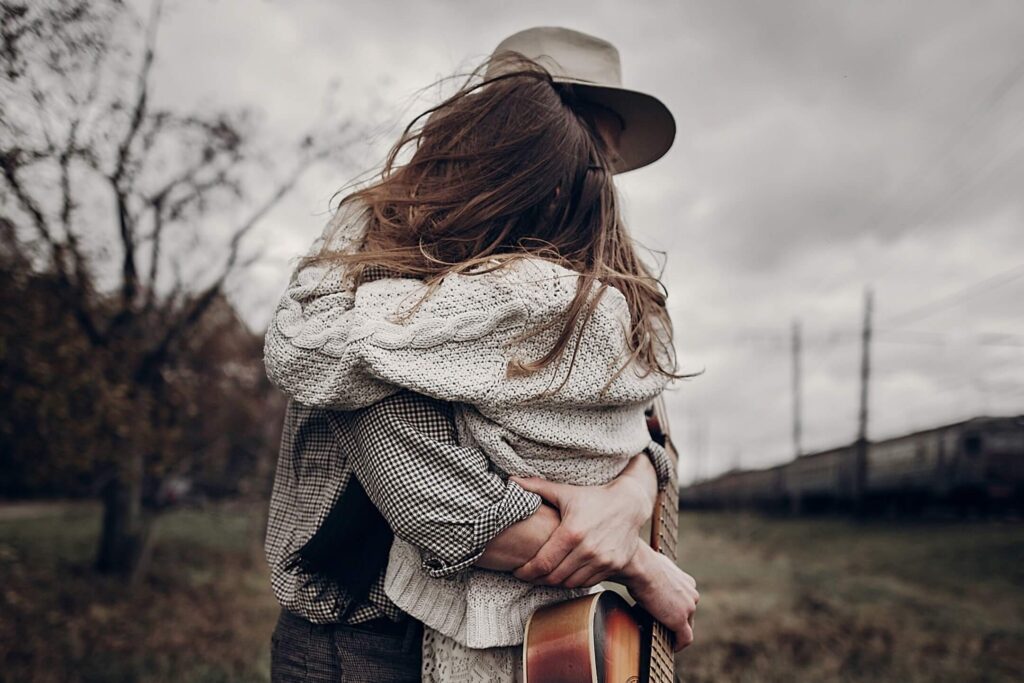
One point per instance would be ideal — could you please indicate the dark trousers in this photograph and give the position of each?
(375, 652)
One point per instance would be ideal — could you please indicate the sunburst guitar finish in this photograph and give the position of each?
(592, 638)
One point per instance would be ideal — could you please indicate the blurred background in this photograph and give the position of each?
(841, 229)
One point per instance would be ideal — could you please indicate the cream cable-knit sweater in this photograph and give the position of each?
(337, 346)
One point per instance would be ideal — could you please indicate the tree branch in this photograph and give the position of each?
(10, 162)
(156, 203)
(261, 213)
(165, 211)
(126, 224)
(142, 95)
(82, 276)
(73, 296)
(200, 303)
(82, 272)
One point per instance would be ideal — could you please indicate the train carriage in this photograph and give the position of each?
(974, 462)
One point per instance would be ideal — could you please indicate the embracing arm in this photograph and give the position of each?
(599, 533)
(519, 543)
(444, 498)
(665, 590)
(439, 496)
(588, 529)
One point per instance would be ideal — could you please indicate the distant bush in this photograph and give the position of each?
(216, 415)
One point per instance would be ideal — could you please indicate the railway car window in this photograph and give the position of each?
(972, 444)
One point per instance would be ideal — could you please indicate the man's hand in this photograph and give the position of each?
(599, 531)
(664, 590)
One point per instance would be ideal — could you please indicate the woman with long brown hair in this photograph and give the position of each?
(474, 328)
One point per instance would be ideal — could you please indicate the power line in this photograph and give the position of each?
(781, 342)
(956, 298)
(942, 152)
(925, 170)
(778, 339)
(994, 99)
(980, 176)
(1008, 339)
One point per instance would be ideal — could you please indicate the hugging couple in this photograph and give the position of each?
(469, 350)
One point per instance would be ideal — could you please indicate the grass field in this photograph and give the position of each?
(203, 612)
(782, 600)
(832, 600)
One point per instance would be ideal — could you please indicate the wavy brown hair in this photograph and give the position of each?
(510, 166)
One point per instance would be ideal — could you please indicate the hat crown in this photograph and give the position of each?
(593, 66)
(569, 56)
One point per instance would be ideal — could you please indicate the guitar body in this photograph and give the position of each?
(591, 639)
(599, 638)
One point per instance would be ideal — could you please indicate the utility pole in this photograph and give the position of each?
(705, 446)
(695, 446)
(861, 449)
(796, 389)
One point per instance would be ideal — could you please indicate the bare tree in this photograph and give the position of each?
(120, 200)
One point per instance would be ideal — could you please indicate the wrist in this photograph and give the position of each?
(637, 572)
(638, 482)
(519, 543)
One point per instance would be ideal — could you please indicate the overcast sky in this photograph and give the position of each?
(822, 147)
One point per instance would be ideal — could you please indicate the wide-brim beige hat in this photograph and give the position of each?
(592, 66)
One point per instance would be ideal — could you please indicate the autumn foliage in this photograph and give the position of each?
(124, 225)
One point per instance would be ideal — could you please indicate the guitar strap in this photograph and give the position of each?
(657, 659)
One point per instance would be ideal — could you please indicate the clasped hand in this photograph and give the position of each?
(599, 530)
(598, 539)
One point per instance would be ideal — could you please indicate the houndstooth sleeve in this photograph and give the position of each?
(440, 497)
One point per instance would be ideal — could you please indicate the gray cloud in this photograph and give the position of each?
(821, 147)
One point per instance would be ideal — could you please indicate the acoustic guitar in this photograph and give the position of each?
(600, 638)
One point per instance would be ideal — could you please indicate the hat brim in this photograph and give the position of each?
(649, 129)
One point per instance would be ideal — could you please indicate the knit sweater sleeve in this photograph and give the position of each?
(308, 349)
(334, 346)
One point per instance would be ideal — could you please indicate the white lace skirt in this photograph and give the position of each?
(446, 661)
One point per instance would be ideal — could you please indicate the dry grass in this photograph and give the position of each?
(832, 600)
(204, 611)
(782, 600)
